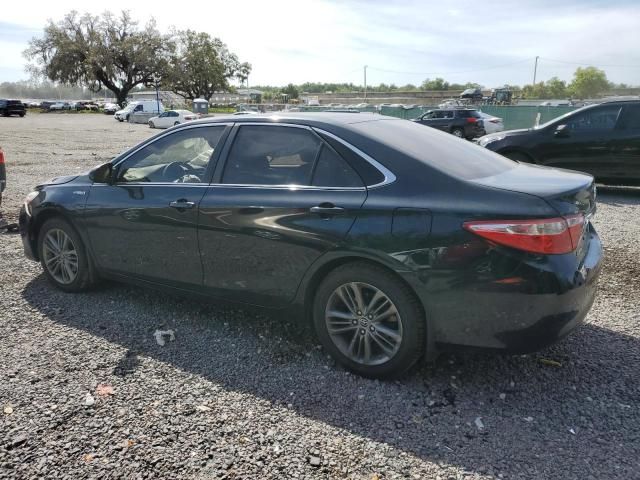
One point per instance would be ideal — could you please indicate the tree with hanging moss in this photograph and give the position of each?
(100, 52)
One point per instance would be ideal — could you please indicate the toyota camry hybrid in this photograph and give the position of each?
(396, 241)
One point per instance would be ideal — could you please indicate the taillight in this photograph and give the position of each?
(549, 236)
(1, 157)
(471, 120)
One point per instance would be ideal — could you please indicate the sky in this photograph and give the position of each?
(492, 43)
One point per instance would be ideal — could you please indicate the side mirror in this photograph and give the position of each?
(102, 173)
(562, 131)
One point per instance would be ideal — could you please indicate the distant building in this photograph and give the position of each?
(243, 95)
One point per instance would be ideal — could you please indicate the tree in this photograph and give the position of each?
(291, 91)
(556, 88)
(201, 65)
(243, 73)
(108, 51)
(588, 82)
(437, 84)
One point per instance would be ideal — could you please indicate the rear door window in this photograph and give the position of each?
(271, 155)
(630, 118)
(333, 171)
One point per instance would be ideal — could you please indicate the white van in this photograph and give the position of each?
(142, 106)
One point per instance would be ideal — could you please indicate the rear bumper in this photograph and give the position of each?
(541, 300)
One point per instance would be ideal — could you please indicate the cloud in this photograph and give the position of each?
(325, 40)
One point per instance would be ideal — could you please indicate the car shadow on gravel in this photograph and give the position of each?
(567, 409)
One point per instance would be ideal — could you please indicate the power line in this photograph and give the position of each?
(588, 63)
(452, 72)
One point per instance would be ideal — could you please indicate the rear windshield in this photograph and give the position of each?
(443, 151)
(14, 102)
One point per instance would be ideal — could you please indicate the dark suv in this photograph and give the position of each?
(602, 139)
(461, 122)
(11, 107)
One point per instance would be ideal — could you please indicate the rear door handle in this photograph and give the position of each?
(327, 209)
(182, 204)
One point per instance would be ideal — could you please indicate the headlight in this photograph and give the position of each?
(27, 201)
(487, 140)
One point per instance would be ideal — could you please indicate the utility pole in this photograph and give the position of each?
(535, 70)
(365, 82)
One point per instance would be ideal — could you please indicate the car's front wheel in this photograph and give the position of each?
(369, 321)
(63, 256)
(151, 125)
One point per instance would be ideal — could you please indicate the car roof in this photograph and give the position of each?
(618, 100)
(302, 118)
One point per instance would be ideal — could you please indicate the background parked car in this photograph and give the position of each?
(110, 108)
(59, 106)
(603, 140)
(171, 118)
(142, 106)
(461, 122)
(491, 124)
(12, 107)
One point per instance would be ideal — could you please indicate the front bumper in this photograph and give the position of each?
(541, 299)
(26, 233)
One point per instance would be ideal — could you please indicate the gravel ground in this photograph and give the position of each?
(87, 392)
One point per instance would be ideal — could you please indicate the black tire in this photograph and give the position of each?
(84, 277)
(412, 344)
(151, 125)
(458, 132)
(22, 114)
(176, 123)
(519, 157)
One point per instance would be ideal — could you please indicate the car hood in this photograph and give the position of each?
(508, 133)
(59, 180)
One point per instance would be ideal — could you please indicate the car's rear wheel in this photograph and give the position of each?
(176, 123)
(458, 132)
(63, 256)
(369, 321)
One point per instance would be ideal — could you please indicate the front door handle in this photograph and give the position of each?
(327, 209)
(182, 204)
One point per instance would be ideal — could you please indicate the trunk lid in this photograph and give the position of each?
(568, 192)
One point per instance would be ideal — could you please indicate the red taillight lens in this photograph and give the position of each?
(550, 235)
(472, 120)
(1, 157)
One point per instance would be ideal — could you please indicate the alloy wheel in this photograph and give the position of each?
(60, 256)
(363, 323)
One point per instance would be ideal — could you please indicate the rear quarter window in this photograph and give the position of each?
(444, 152)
